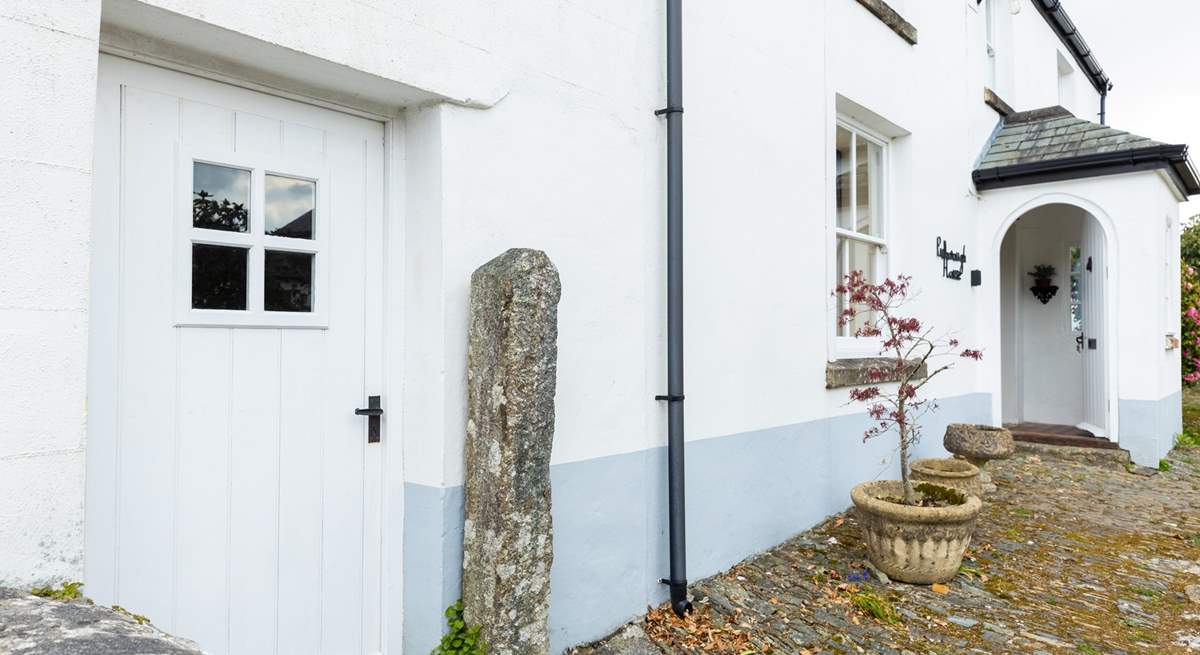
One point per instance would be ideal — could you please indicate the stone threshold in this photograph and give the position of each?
(1096, 456)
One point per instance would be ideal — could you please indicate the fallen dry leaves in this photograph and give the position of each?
(698, 633)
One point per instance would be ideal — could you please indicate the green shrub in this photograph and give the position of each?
(1164, 465)
(1189, 320)
(1189, 242)
(462, 639)
(1190, 438)
(68, 591)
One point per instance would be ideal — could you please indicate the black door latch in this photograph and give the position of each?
(373, 411)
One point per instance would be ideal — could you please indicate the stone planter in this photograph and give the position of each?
(954, 473)
(920, 545)
(978, 444)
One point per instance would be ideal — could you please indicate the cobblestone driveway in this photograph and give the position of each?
(1068, 558)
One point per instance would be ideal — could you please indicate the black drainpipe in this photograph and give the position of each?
(674, 397)
(1103, 106)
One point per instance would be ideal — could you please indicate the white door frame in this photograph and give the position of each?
(1111, 314)
(384, 315)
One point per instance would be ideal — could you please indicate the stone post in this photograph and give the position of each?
(511, 363)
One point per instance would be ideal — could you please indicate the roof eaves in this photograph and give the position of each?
(1172, 158)
(1183, 169)
(1060, 22)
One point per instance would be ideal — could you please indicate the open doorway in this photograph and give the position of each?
(1054, 333)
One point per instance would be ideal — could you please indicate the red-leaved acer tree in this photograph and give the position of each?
(911, 347)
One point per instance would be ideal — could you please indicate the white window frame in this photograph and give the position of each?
(255, 240)
(848, 347)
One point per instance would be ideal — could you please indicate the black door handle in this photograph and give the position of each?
(372, 411)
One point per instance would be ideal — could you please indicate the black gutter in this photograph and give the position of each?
(1172, 158)
(1060, 22)
(674, 397)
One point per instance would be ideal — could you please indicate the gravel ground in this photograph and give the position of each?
(1069, 557)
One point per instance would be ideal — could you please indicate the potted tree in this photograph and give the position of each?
(915, 532)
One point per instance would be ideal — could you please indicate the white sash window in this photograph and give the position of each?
(860, 208)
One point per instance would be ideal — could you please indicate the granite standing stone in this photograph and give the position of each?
(511, 363)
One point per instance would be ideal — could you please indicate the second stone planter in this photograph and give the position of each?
(954, 473)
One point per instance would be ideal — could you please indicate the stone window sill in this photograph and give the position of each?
(884, 12)
(856, 372)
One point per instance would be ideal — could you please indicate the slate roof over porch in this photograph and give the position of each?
(1050, 144)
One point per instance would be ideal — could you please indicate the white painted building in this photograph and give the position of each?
(179, 374)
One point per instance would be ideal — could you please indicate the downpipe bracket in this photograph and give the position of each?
(668, 110)
(671, 398)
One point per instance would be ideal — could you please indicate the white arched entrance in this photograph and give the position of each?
(1057, 359)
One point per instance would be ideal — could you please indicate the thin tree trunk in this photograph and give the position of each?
(909, 494)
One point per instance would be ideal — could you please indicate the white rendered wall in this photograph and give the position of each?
(433, 48)
(48, 78)
(1034, 57)
(571, 162)
(568, 160)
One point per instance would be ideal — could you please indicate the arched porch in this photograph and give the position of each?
(1057, 335)
(1135, 217)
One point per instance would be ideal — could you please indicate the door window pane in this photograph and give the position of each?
(220, 198)
(289, 206)
(1076, 294)
(288, 281)
(855, 255)
(218, 277)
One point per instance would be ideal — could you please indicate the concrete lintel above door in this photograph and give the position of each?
(223, 42)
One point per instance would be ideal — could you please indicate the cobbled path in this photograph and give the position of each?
(1068, 558)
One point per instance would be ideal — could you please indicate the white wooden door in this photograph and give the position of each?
(232, 495)
(1092, 283)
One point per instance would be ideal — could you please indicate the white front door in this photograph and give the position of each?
(1092, 281)
(233, 497)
